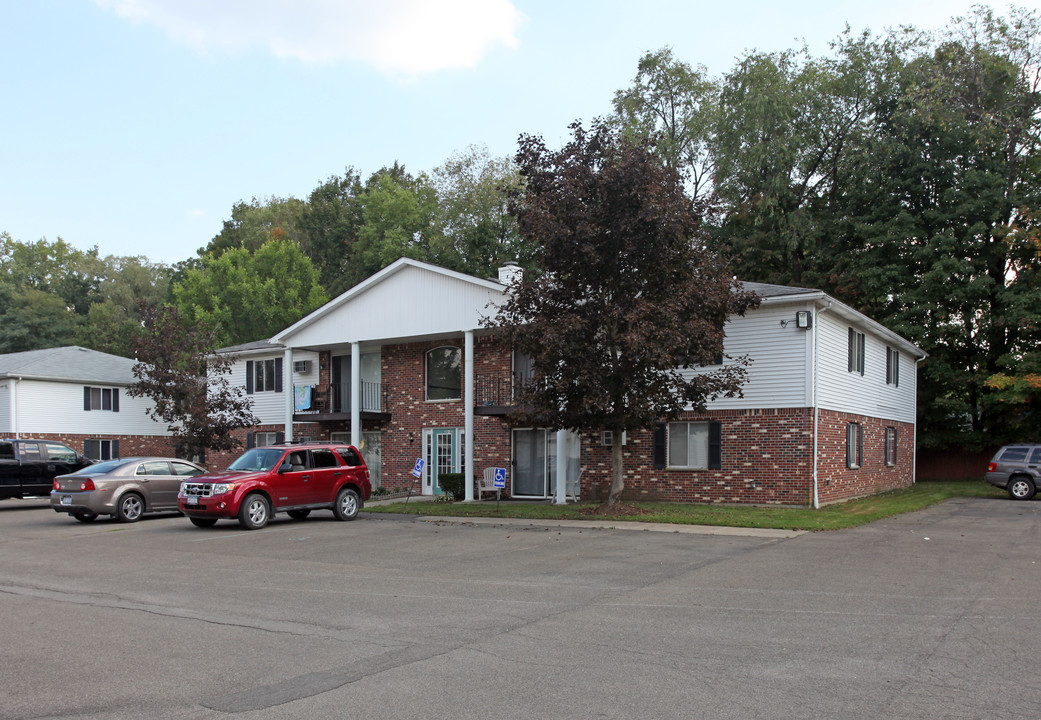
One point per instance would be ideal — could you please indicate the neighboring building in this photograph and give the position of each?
(78, 397)
(401, 366)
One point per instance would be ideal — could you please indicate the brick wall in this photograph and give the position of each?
(129, 445)
(836, 482)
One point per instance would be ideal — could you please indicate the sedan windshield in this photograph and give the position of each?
(257, 459)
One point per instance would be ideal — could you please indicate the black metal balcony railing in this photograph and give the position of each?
(499, 389)
(336, 398)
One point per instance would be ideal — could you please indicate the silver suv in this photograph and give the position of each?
(1017, 468)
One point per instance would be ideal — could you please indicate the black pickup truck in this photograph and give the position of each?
(27, 467)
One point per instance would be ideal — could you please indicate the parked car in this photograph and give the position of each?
(27, 467)
(1016, 468)
(290, 478)
(126, 488)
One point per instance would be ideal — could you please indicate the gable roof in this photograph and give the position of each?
(68, 364)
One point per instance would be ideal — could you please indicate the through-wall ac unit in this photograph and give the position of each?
(301, 366)
(607, 438)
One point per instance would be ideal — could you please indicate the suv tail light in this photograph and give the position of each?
(992, 467)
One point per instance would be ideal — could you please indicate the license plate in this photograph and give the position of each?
(66, 500)
(191, 500)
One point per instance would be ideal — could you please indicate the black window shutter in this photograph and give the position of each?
(659, 446)
(280, 437)
(895, 436)
(860, 355)
(88, 449)
(249, 377)
(896, 368)
(115, 449)
(278, 374)
(86, 398)
(860, 445)
(249, 441)
(715, 445)
(852, 342)
(115, 399)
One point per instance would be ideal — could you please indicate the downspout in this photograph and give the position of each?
(816, 405)
(468, 416)
(14, 406)
(914, 436)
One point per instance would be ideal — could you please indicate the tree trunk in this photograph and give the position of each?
(617, 479)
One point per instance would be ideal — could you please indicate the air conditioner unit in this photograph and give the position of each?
(607, 438)
(301, 366)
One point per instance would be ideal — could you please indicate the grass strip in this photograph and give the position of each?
(832, 517)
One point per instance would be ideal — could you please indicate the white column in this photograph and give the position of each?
(562, 448)
(289, 390)
(356, 395)
(468, 414)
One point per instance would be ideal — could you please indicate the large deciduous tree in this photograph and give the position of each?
(248, 296)
(188, 385)
(626, 305)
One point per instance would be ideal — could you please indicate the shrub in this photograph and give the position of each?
(452, 484)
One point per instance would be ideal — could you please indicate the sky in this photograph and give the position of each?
(136, 125)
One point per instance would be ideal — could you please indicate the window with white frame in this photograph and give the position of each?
(854, 445)
(101, 449)
(856, 352)
(890, 446)
(892, 367)
(688, 444)
(444, 366)
(266, 438)
(101, 398)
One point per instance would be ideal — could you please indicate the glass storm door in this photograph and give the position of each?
(534, 463)
(443, 454)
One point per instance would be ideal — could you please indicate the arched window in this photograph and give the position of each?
(444, 374)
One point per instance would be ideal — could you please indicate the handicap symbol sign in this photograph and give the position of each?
(417, 471)
(500, 477)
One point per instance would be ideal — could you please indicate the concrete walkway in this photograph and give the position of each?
(619, 525)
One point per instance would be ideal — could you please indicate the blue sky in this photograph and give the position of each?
(135, 125)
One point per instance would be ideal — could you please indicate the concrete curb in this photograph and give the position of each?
(621, 525)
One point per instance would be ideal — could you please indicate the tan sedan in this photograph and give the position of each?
(126, 488)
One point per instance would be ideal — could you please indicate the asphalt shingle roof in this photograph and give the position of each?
(70, 363)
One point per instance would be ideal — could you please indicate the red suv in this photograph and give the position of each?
(294, 479)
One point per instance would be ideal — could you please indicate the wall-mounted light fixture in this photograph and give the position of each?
(411, 437)
(804, 319)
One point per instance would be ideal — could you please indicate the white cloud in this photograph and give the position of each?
(410, 37)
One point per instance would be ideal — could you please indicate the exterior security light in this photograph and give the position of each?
(804, 319)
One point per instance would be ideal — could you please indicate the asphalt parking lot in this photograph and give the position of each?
(925, 615)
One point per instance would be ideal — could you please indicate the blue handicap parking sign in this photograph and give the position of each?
(417, 471)
(500, 477)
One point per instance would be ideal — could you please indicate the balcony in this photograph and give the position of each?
(498, 393)
(315, 403)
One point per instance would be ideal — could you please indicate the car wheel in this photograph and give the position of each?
(1021, 488)
(298, 514)
(347, 505)
(130, 508)
(203, 522)
(254, 512)
(85, 517)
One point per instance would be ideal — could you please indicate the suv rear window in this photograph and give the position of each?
(1015, 454)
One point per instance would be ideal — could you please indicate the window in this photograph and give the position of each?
(689, 445)
(60, 453)
(153, 467)
(856, 351)
(96, 398)
(890, 451)
(854, 445)
(322, 458)
(101, 449)
(892, 367)
(444, 374)
(183, 469)
(263, 376)
(349, 456)
(261, 439)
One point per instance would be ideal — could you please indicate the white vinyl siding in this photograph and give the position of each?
(57, 407)
(403, 305)
(867, 394)
(780, 375)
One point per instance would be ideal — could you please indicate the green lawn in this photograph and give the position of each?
(832, 517)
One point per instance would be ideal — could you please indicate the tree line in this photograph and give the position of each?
(898, 172)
